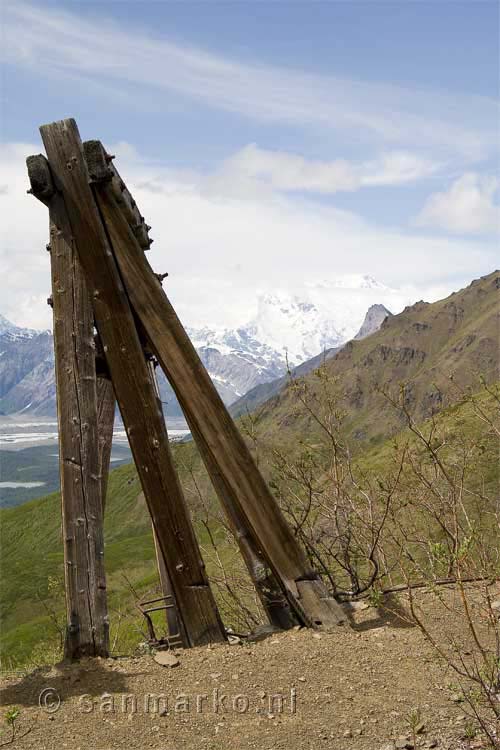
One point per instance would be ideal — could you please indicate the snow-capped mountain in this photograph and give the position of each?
(26, 370)
(11, 331)
(289, 329)
(286, 330)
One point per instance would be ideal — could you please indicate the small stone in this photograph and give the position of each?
(215, 675)
(404, 743)
(166, 659)
(347, 733)
(317, 636)
(456, 698)
(302, 679)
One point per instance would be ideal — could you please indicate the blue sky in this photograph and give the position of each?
(270, 144)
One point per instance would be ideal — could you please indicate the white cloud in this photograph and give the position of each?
(467, 207)
(398, 168)
(285, 171)
(61, 43)
(222, 248)
(24, 230)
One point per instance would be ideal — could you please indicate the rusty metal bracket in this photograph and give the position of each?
(172, 640)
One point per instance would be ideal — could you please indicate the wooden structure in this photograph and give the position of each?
(101, 278)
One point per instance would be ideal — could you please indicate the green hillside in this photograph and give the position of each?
(422, 346)
(31, 550)
(32, 560)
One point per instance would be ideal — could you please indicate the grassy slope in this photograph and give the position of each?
(31, 550)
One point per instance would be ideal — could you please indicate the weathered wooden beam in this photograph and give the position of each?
(87, 631)
(101, 169)
(206, 412)
(275, 604)
(40, 178)
(272, 598)
(75, 212)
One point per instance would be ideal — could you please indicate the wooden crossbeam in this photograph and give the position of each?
(75, 214)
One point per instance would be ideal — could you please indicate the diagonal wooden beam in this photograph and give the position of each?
(266, 584)
(74, 210)
(101, 169)
(211, 422)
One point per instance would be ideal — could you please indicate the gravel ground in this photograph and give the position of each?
(357, 689)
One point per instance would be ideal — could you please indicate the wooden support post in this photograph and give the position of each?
(208, 416)
(87, 631)
(74, 209)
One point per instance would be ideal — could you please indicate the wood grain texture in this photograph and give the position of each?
(100, 167)
(208, 416)
(81, 499)
(132, 384)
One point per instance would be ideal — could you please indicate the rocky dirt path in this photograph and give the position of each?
(349, 690)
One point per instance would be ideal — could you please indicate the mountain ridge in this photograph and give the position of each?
(286, 331)
(438, 349)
